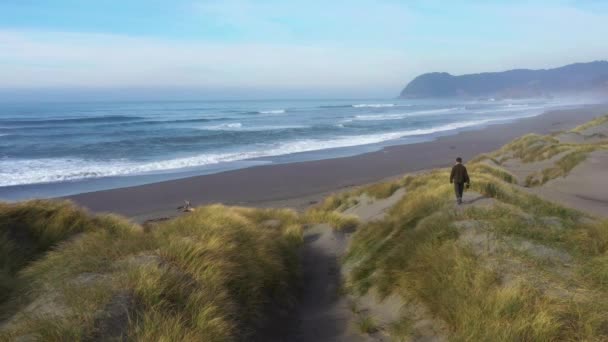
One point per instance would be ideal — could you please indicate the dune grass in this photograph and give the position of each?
(210, 275)
(593, 123)
(493, 170)
(531, 148)
(29, 229)
(483, 157)
(562, 167)
(381, 190)
(535, 148)
(415, 252)
(335, 219)
(206, 276)
(331, 209)
(236, 266)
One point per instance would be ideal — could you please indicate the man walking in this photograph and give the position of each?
(459, 177)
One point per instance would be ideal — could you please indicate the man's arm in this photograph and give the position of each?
(466, 177)
(452, 175)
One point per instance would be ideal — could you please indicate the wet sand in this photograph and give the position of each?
(297, 185)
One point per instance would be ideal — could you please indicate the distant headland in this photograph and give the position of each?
(591, 78)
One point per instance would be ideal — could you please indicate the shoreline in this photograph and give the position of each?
(300, 184)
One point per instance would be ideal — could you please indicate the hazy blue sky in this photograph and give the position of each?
(271, 48)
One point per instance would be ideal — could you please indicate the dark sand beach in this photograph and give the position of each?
(297, 185)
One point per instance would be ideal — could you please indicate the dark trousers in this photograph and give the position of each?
(458, 189)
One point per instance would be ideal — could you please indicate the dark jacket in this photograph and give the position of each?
(459, 174)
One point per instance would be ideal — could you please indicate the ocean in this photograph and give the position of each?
(54, 149)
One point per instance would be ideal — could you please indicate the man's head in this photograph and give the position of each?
(459, 160)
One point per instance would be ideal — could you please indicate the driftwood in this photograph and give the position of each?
(187, 207)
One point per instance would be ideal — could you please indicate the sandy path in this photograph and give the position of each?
(322, 313)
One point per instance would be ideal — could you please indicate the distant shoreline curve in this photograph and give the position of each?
(299, 183)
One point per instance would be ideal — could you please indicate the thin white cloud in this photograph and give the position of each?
(341, 22)
(338, 45)
(46, 59)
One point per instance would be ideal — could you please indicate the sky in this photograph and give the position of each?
(280, 49)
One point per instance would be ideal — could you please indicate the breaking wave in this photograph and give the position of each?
(47, 170)
(273, 111)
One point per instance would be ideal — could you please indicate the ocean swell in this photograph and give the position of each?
(97, 119)
(18, 172)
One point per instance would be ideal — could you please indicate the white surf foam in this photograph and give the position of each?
(373, 105)
(381, 117)
(33, 171)
(399, 116)
(442, 110)
(240, 127)
(274, 111)
(225, 127)
(513, 108)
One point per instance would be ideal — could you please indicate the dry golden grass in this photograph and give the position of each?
(207, 276)
(29, 229)
(381, 190)
(535, 148)
(415, 252)
(493, 170)
(531, 148)
(595, 122)
(210, 275)
(330, 209)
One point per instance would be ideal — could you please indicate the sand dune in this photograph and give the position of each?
(585, 188)
(523, 258)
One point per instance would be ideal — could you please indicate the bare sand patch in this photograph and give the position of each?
(369, 209)
(585, 188)
(522, 170)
